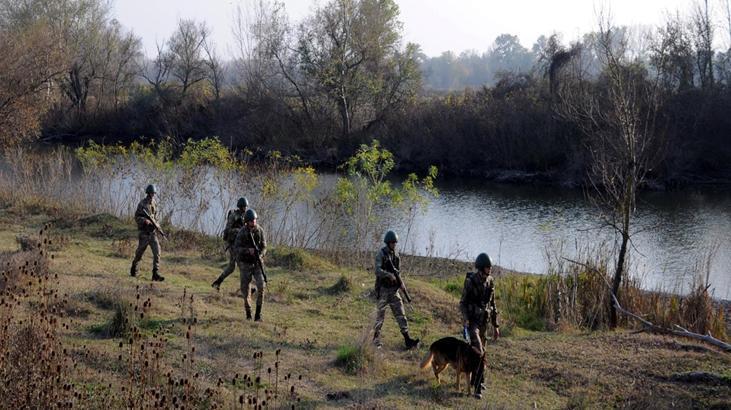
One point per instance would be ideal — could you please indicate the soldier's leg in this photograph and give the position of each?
(259, 278)
(397, 307)
(475, 341)
(380, 317)
(245, 270)
(143, 240)
(155, 247)
(228, 270)
(479, 377)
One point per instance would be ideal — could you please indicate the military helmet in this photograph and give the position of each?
(390, 237)
(250, 215)
(151, 189)
(482, 261)
(242, 203)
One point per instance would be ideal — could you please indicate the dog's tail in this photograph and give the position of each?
(427, 360)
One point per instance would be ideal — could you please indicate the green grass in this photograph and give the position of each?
(320, 314)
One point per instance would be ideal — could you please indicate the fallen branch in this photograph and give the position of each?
(682, 332)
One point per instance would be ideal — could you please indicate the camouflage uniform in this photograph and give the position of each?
(249, 267)
(476, 305)
(387, 292)
(147, 235)
(234, 223)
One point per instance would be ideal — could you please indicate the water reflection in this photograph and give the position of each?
(517, 223)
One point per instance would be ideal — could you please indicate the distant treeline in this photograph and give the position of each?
(343, 76)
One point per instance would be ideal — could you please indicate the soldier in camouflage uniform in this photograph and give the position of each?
(248, 240)
(477, 306)
(147, 233)
(234, 222)
(387, 291)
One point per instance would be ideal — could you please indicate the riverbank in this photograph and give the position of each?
(314, 312)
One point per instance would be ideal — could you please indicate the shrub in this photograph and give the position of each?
(354, 359)
(343, 285)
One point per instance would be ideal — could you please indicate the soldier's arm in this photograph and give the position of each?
(464, 300)
(491, 304)
(238, 242)
(229, 222)
(140, 214)
(380, 273)
(262, 243)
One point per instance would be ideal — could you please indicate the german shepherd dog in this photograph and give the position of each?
(452, 351)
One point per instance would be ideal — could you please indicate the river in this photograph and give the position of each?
(517, 224)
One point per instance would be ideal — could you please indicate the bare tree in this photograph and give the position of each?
(619, 119)
(215, 70)
(185, 49)
(703, 31)
(30, 64)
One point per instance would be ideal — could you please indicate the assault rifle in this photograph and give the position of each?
(398, 280)
(257, 254)
(154, 223)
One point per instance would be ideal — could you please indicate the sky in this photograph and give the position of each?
(436, 25)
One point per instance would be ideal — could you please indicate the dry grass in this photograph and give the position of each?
(188, 344)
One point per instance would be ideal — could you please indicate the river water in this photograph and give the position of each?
(517, 224)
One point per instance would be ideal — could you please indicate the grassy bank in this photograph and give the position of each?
(199, 350)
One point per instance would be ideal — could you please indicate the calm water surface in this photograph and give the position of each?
(517, 224)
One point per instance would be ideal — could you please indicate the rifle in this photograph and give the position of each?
(257, 253)
(154, 222)
(398, 280)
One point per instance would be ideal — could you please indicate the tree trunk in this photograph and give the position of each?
(617, 280)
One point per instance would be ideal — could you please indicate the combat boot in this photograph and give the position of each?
(377, 340)
(409, 342)
(217, 285)
(248, 314)
(133, 271)
(156, 277)
(257, 315)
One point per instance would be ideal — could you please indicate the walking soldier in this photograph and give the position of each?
(250, 246)
(477, 306)
(388, 283)
(146, 218)
(234, 222)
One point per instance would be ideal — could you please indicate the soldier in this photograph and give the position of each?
(146, 209)
(234, 222)
(387, 291)
(477, 305)
(250, 247)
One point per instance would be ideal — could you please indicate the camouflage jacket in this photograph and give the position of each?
(478, 299)
(234, 222)
(150, 205)
(243, 243)
(384, 267)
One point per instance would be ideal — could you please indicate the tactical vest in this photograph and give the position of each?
(140, 217)
(387, 267)
(235, 225)
(478, 296)
(246, 242)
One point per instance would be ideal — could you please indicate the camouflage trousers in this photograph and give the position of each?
(251, 271)
(390, 297)
(477, 330)
(229, 269)
(147, 239)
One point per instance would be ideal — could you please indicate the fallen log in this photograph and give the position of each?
(682, 332)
